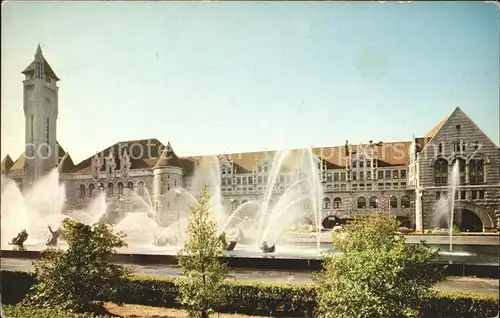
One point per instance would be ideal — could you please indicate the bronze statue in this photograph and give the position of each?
(266, 248)
(228, 247)
(20, 238)
(53, 236)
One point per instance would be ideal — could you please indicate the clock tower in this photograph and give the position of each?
(40, 112)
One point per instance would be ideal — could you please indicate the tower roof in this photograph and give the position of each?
(30, 70)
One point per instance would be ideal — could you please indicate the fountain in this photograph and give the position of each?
(445, 207)
(39, 206)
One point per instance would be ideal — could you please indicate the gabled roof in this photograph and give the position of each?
(66, 164)
(386, 154)
(144, 154)
(168, 158)
(7, 163)
(19, 163)
(431, 133)
(434, 131)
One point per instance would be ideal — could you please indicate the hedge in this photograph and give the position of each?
(264, 299)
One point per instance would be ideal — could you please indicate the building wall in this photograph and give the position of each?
(459, 127)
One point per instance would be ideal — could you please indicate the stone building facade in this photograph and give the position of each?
(405, 179)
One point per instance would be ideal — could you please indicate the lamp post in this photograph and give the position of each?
(178, 194)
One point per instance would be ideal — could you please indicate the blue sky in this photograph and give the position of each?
(231, 77)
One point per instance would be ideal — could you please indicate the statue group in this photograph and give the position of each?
(22, 236)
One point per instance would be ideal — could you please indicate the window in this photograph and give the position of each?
(82, 191)
(336, 176)
(140, 188)
(460, 195)
(476, 171)
(361, 163)
(250, 180)
(368, 175)
(130, 185)
(328, 177)
(393, 201)
(329, 187)
(91, 190)
(380, 174)
(405, 202)
(476, 145)
(461, 169)
(477, 194)
(353, 175)
(335, 187)
(441, 195)
(355, 187)
(120, 188)
(403, 185)
(361, 203)
(110, 189)
(395, 174)
(441, 172)
(380, 186)
(337, 203)
(387, 174)
(343, 187)
(373, 203)
(402, 174)
(326, 203)
(361, 175)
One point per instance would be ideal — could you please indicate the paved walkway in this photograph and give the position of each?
(466, 284)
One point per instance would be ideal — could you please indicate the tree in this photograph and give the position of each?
(202, 273)
(377, 274)
(81, 277)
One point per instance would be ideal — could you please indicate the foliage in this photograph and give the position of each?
(81, 277)
(202, 273)
(377, 274)
(271, 299)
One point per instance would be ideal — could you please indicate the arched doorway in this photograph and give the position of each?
(469, 221)
(464, 219)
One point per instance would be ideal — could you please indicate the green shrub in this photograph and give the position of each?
(264, 299)
(460, 304)
(81, 277)
(378, 274)
(202, 273)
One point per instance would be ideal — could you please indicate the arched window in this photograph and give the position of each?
(461, 169)
(441, 172)
(110, 188)
(120, 188)
(91, 190)
(140, 188)
(393, 201)
(337, 203)
(101, 186)
(326, 203)
(82, 191)
(373, 203)
(476, 171)
(235, 204)
(130, 185)
(361, 203)
(405, 202)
